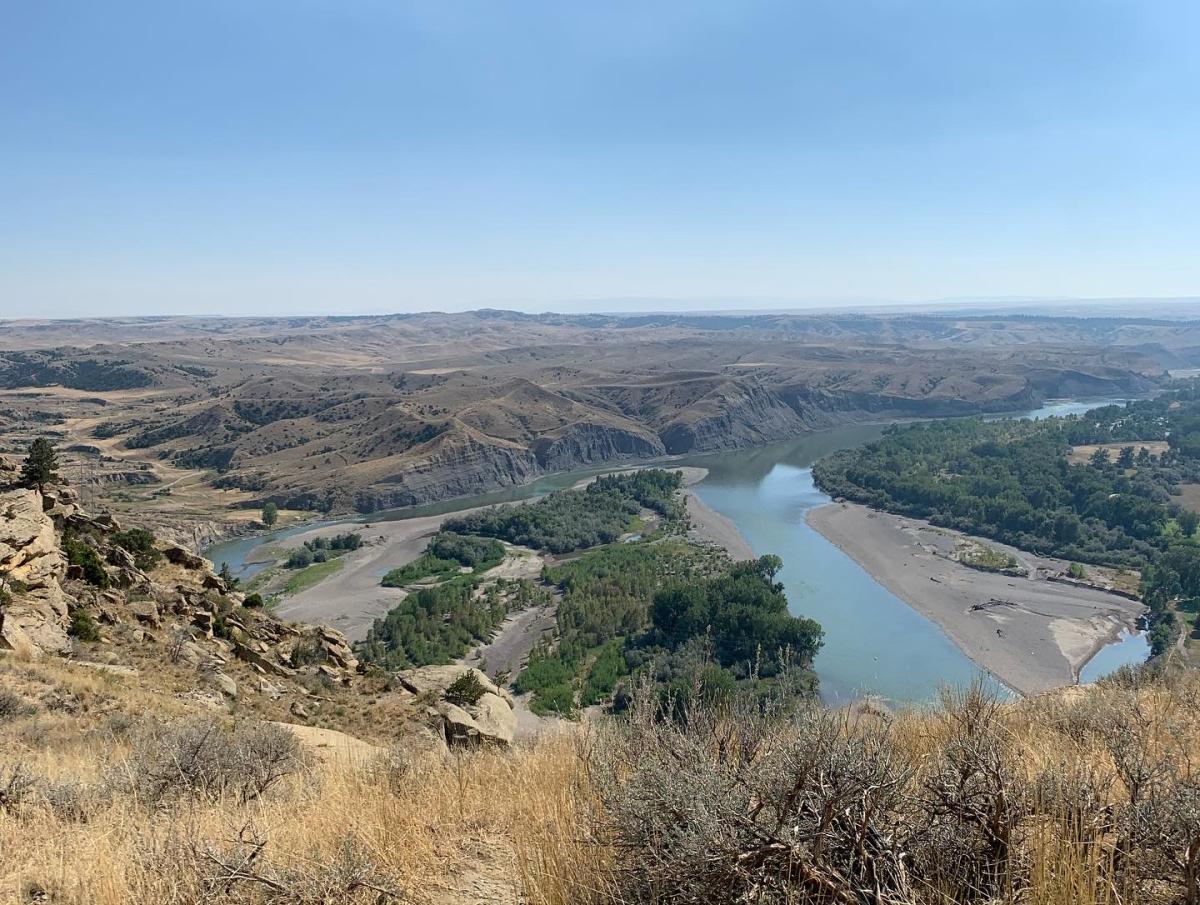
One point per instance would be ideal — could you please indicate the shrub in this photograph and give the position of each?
(201, 759)
(253, 601)
(12, 705)
(465, 690)
(733, 804)
(82, 554)
(83, 626)
(140, 543)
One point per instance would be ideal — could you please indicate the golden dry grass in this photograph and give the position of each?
(485, 826)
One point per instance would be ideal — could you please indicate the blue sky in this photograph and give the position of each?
(306, 156)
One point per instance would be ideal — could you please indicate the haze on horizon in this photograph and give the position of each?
(359, 157)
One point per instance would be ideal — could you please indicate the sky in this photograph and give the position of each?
(368, 156)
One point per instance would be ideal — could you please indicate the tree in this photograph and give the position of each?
(1125, 457)
(40, 465)
(1188, 522)
(1099, 458)
(270, 514)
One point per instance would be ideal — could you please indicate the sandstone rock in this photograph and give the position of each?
(146, 612)
(262, 661)
(181, 557)
(224, 684)
(437, 679)
(495, 718)
(29, 550)
(35, 618)
(203, 621)
(122, 558)
(212, 583)
(495, 724)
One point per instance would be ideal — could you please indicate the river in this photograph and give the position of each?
(874, 642)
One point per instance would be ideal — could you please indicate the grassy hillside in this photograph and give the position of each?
(111, 795)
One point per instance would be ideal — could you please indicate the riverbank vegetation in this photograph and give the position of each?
(321, 549)
(1013, 481)
(571, 520)
(681, 617)
(447, 554)
(440, 623)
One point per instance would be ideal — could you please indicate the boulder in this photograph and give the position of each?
(492, 724)
(181, 557)
(436, 679)
(223, 684)
(146, 612)
(35, 616)
(495, 718)
(261, 661)
(203, 621)
(29, 551)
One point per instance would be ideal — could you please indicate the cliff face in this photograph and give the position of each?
(588, 444)
(735, 417)
(723, 414)
(458, 463)
(33, 605)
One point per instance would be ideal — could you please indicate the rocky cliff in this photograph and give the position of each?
(74, 585)
(33, 605)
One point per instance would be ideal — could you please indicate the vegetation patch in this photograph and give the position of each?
(670, 613)
(572, 520)
(439, 624)
(321, 549)
(448, 554)
(311, 575)
(988, 559)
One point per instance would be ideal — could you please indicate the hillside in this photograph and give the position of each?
(189, 420)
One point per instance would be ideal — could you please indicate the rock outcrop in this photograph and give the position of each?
(33, 607)
(487, 720)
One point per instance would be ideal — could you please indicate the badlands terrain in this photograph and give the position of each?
(196, 422)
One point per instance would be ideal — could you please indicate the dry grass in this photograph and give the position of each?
(526, 825)
(1081, 455)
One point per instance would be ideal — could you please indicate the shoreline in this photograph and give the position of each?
(1029, 633)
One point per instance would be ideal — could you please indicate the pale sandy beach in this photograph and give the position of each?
(1031, 633)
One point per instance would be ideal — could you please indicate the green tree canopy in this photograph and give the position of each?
(41, 465)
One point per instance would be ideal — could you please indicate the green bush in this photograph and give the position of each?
(253, 601)
(465, 690)
(82, 554)
(83, 626)
(140, 543)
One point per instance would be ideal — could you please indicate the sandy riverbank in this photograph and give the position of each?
(1031, 633)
